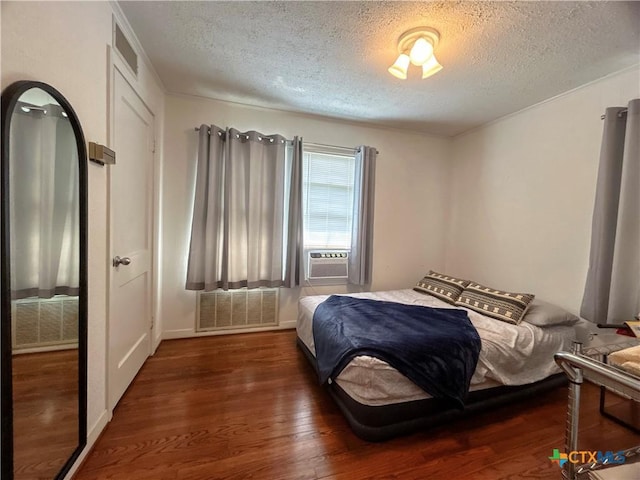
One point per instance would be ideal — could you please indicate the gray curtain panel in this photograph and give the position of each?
(44, 204)
(241, 209)
(204, 265)
(612, 289)
(360, 258)
(294, 267)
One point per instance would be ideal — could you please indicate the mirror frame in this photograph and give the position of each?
(10, 97)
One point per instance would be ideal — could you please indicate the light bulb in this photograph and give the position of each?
(420, 52)
(431, 67)
(399, 68)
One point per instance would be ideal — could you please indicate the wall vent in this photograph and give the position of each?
(38, 322)
(125, 49)
(234, 309)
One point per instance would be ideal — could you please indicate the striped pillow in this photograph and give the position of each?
(441, 286)
(505, 306)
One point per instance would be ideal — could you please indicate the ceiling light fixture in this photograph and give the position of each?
(416, 46)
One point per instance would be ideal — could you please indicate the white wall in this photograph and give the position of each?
(522, 193)
(66, 45)
(411, 179)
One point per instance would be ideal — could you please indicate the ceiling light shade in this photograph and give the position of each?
(430, 67)
(399, 68)
(417, 46)
(420, 52)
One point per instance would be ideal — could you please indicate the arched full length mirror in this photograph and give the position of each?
(44, 283)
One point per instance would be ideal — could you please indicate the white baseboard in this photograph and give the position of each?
(156, 342)
(190, 333)
(182, 333)
(287, 325)
(92, 435)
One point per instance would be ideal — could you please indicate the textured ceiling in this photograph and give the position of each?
(331, 58)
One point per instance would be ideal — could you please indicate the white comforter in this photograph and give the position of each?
(510, 354)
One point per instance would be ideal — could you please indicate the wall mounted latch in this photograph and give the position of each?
(101, 155)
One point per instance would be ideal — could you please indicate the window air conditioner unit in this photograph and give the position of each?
(328, 264)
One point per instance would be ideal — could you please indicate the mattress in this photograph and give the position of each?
(511, 355)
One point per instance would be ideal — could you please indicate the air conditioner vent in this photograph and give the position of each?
(125, 49)
(328, 264)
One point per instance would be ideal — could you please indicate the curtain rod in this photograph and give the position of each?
(220, 133)
(620, 114)
(197, 129)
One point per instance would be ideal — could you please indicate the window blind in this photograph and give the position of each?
(328, 181)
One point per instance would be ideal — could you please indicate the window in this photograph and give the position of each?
(337, 213)
(327, 199)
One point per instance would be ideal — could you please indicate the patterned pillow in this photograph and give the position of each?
(441, 286)
(505, 306)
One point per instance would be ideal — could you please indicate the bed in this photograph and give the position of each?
(379, 402)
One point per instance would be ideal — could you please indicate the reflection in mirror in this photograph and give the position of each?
(44, 209)
(44, 229)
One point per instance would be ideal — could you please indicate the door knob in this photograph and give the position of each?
(121, 261)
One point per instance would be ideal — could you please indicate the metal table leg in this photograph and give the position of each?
(573, 413)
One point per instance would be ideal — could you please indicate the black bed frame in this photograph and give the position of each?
(378, 423)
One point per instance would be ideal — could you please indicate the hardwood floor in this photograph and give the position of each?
(249, 406)
(45, 412)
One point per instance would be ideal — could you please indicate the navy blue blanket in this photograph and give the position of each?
(436, 348)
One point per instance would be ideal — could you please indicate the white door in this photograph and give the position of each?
(130, 215)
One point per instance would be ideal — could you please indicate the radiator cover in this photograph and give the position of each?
(236, 309)
(40, 322)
